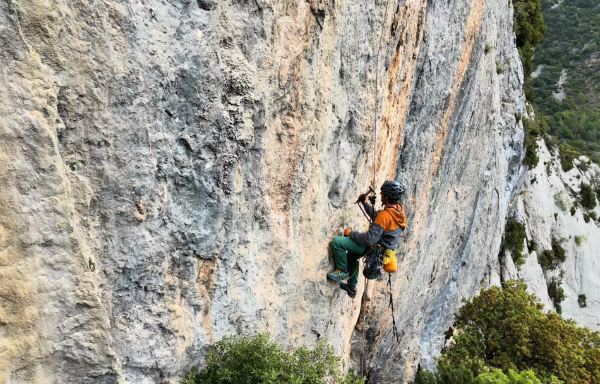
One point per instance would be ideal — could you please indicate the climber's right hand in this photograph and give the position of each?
(362, 198)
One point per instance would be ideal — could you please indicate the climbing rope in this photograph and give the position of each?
(364, 212)
(377, 87)
(364, 325)
(388, 289)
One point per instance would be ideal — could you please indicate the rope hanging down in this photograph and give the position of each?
(363, 360)
(388, 289)
(377, 87)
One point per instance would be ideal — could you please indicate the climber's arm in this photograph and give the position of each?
(368, 238)
(369, 209)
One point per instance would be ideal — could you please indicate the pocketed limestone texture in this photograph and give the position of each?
(173, 172)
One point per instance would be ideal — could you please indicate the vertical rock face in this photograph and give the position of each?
(173, 173)
(544, 207)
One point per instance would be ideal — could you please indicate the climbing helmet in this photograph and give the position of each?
(393, 189)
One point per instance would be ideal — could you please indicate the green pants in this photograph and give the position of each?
(346, 254)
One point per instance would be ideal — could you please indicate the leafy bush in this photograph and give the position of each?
(556, 293)
(562, 201)
(258, 360)
(580, 240)
(567, 155)
(514, 236)
(552, 258)
(533, 130)
(587, 198)
(506, 328)
(582, 301)
(573, 210)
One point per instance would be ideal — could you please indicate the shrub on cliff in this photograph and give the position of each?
(587, 198)
(567, 155)
(257, 360)
(506, 329)
(551, 258)
(556, 293)
(514, 236)
(533, 129)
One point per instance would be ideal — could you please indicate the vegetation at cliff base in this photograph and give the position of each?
(529, 28)
(258, 360)
(566, 82)
(504, 336)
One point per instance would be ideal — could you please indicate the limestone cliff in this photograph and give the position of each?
(545, 208)
(173, 172)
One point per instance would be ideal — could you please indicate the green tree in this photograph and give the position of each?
(504, 337)
(258, 360)
(529, 28)
(496, 376)
(506, 328)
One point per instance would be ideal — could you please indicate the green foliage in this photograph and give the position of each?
(584, 166)
(587, 198)
(573, 210)
(567, 155)
(514, 236)
(556, 293)
(425, 376)
(258, 360)
(533, 130)
(499, 69)
(562, 201)
(570, 45)
(586, 217)
(582, 301)
(496, 376)
(488, 49)
(529, 28)
(580, 240)
(506, 328)
(550, 259)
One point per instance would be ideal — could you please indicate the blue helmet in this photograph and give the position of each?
(392, 189)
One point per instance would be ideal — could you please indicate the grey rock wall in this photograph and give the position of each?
(174, 172)
(541, 210)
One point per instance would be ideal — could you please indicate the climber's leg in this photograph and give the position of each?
(346, 253)
(353, 264)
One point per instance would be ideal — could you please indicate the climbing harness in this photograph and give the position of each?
(373, 262)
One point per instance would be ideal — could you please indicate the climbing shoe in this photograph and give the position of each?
(349, 289)
(338, 275)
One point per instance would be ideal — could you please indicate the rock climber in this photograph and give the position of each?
(386, 227)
